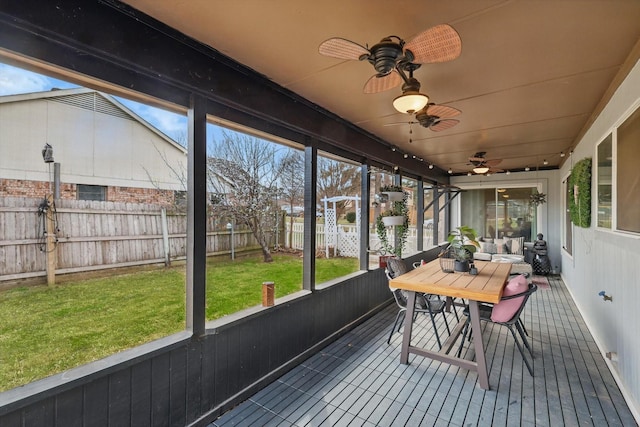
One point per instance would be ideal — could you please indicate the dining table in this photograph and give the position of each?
(484, 287)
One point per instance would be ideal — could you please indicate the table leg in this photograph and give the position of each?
(483, 375)
(408, 325)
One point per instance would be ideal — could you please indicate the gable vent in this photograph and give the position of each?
(93, 102)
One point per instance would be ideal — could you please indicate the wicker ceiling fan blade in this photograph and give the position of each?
(437, 44)
(443, 124)
(493, 162)
(342, 49)
(378, 83)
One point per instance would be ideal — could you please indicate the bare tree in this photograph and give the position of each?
(292, 184)
(337, 178)
(244, 170)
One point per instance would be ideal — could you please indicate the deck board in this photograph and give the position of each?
(358, 379)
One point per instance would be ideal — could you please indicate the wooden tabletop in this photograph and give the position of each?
(486, 286)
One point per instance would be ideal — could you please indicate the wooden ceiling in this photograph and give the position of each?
(531, 75)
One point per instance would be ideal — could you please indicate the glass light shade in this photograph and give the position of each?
(410, 102)
(481, 169)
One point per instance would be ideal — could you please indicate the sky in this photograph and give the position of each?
(14, 81)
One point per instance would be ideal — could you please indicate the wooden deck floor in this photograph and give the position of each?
(359, 381)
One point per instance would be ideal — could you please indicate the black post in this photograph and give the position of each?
(196, 215)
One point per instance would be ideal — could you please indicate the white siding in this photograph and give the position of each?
(608, 261)
(92, 147)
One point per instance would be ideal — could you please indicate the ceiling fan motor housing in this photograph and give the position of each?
(425, 119)
(384, 56)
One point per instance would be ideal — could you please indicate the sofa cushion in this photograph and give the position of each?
(482, 256)
(505, 309)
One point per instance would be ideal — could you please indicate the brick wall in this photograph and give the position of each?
(37, 189)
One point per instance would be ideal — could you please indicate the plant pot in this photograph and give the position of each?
(394, 196)
(392, 220)
(461, 266)
(382, 260)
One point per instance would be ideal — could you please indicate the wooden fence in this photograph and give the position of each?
(97, 235)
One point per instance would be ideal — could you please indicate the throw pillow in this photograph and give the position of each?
(505, 309)
(489, 248)
(517, 245)
(501, 247)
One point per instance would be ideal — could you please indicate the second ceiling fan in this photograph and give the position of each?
(434, 117)
(481, 165)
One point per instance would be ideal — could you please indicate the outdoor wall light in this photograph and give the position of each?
(47, 153)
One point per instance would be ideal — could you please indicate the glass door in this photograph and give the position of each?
(500, 212)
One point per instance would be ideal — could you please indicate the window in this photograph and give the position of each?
(500, 212)
(97, 138)
(604, 164)
(628, 175)
(410, 186)
(91, 192)
(338, 228)
(428, 228)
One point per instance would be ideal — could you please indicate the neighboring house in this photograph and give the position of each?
(105, 151)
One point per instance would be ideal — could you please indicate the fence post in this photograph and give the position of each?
(52, 258)
(165, 236)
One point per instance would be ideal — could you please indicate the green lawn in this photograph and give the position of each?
(46, 330)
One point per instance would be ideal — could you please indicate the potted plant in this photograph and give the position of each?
(394, 193)
(462, 244)
(396, 219)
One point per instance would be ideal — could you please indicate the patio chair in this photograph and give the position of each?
(425, 303)
(507, 313)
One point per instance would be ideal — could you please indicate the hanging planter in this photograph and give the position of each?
(394, 196)
(392, 225)
(390, 221)
(537, 199)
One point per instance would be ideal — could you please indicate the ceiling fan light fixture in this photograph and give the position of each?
(410, 102)
(480, 169)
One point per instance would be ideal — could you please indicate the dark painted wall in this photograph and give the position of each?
(196, 380)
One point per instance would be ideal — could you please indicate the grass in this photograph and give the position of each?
(46, 330)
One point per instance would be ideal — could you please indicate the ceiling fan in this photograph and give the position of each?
(434, 117)
(392, 56)
(481, 165)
